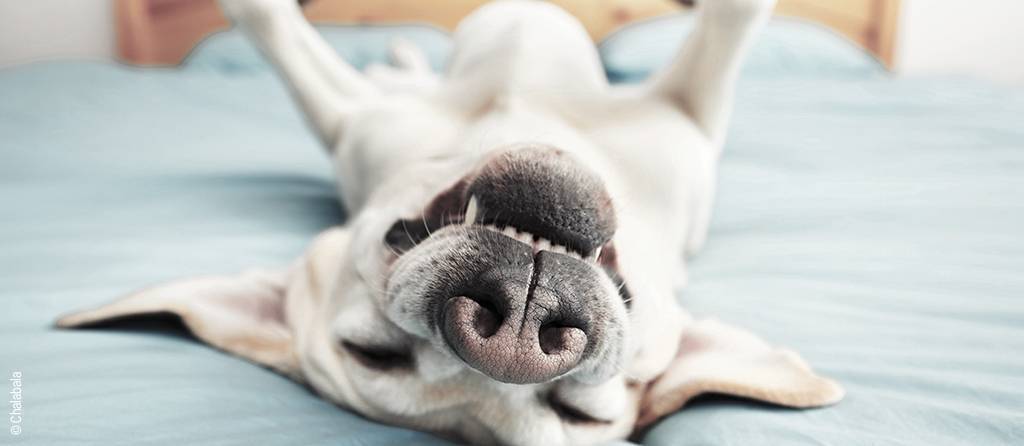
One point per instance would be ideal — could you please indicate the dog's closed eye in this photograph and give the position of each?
(380, 358)
(572, 414)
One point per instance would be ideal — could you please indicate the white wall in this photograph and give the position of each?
(982, 38)
(33, 30)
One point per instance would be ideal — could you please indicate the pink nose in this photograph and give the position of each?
(511, 349)
(528, 320)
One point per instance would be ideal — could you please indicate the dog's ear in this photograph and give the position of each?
(253, 315)
(243, 315)
(717, 358)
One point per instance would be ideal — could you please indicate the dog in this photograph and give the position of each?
(518, 230)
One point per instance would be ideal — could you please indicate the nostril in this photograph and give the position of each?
(477, 314)
(486, 319)
(556, 339)
(481, 335)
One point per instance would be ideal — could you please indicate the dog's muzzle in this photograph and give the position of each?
(515, 287)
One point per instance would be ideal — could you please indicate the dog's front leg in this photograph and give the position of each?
(701, 78)
(325, 87)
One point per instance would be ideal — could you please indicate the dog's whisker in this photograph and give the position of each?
(393, 251)
(423, 218)
(408, 235)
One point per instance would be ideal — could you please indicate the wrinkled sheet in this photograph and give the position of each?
(874, 225)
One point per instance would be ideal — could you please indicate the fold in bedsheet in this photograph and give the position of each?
(872, 224)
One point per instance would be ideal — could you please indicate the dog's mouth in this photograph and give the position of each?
(538, 196)
(515, 268)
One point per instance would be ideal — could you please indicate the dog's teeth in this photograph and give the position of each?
(558, 248)
(543, 245)
(525, 237)
(509, 231)
(596, 255)
(471, 210)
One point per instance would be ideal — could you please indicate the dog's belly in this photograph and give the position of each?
(514, 48)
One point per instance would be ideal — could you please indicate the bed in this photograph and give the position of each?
(874, 224)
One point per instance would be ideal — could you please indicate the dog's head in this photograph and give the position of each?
(505, 271)
(499, 313)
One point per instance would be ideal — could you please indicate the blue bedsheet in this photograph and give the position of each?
(873, 224)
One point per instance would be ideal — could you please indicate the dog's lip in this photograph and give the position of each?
(459, 205)
(407, 233)
(448, 210)
(538, 241)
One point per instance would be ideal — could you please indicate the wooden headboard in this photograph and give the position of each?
(161, 32)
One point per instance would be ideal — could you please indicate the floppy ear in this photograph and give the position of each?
(242, 314)
(717, 358)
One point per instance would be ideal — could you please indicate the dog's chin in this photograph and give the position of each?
(512, 270)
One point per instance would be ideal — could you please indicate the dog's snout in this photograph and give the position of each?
(527, 319)
(517, 291)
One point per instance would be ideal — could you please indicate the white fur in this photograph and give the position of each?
(526, 71)
(522, 72)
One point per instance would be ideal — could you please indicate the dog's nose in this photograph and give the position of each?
(526, 322)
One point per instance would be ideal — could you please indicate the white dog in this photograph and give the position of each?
(517, 236)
